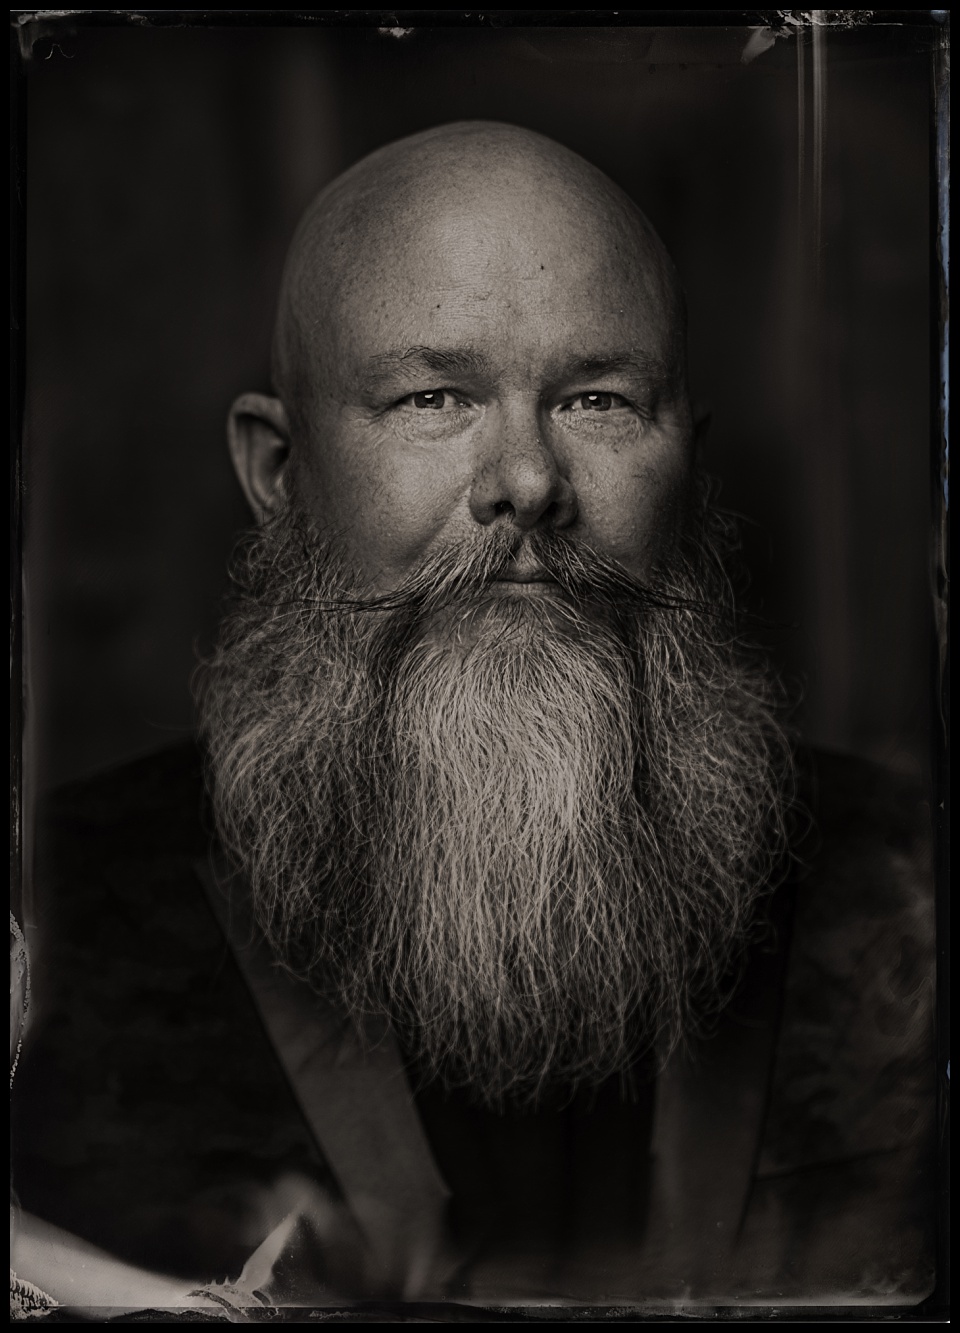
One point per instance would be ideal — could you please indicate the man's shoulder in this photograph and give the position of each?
(855, 1052)
(843, 1184)
(114, 876)
(149, 1106)
(865, 862)
(114, 890)
(853, 797)
(152, 804)
(864, 915)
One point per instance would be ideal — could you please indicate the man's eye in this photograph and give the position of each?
(596, 400)
(599, 401)
(435, 398)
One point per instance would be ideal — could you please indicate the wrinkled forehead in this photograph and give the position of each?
(536, 257)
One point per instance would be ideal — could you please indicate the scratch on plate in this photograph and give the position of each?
(791, 21)
(761, 39)
(39, 15)
(825, 18)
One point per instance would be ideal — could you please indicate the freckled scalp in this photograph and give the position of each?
(379, 210)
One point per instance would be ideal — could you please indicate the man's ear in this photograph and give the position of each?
(702, 419)
(259, 435)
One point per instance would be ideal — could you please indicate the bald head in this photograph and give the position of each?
(399, 208)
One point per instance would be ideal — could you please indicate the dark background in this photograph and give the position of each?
(166, 169)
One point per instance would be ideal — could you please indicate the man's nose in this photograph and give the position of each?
(522, 479)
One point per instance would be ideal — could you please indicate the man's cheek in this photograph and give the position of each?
(392, 516)
(419, 493)
(633, 518)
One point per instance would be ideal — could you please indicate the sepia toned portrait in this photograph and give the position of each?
(479, 749)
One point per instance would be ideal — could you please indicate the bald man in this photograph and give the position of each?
(505, 962)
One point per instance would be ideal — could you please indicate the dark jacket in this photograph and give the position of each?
(790, 1157)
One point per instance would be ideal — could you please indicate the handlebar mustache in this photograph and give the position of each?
(462, 574)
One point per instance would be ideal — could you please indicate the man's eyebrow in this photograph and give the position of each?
(469, 361)
(441, 360)
(636, 363)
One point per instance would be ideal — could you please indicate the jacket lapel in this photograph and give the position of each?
(354, 1094)
(710, 1113)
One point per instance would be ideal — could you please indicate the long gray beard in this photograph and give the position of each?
(529, 832)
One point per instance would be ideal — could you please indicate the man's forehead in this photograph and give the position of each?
(545, 297)
(504, 242)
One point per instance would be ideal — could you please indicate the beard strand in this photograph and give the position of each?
(531, 833)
